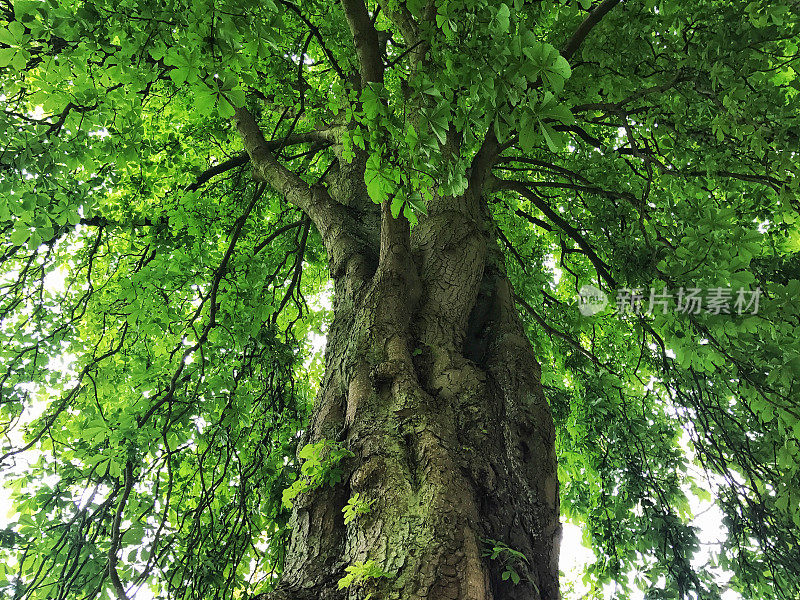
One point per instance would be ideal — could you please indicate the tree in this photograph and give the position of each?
(187, 185)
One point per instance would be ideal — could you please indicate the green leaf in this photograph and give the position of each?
(179, 76)
(226, 110)
(236, 96)
(502, 18)
(12, 34)
(561, 67)
(397, 205)
(204, 100)
(371, 101)
(555, 140)
(20, 235)
(157, 52)
(6, 56)
(551, 109)
(381, 180)
(438, 120)
(527, 131)
(20, 60)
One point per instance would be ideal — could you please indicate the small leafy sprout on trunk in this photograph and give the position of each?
(320, 467)
(360, 573)
(355, 507)
(508, 557)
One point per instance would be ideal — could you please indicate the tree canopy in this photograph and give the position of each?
(162, 294)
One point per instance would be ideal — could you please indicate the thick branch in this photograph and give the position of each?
(333, 220)
(399, 14)
(584, 28)
(322, 135)
(395, 241)
(482, 163)
(534, 221)
(211, 172)
(266, 168)
(365, 38)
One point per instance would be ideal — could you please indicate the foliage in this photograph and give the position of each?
(360, 573)
(157, 304)
(508, 557)
(355, 507)
(321, 467)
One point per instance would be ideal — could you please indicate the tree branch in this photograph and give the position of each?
(533, 220)
(523, 190)
(365, 38)
(319, 135)
(553, 331)
(297, 271)
(266, 168)
(116, 536)
(332, 219)
(281, 230)
(584, 28)
(316, 33)
(481, 165)
(211, 172)
(212, 312)
(399, 14)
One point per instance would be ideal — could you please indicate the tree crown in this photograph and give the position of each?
(168, 175)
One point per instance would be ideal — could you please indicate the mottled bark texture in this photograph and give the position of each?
(430, 380)
(432, 383)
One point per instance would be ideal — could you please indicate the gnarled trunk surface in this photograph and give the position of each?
(433, 385)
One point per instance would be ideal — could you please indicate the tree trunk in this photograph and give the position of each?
(433, 385)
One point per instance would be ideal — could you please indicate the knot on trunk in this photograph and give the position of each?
(386, 372)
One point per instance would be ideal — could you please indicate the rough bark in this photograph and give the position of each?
(432, 383)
